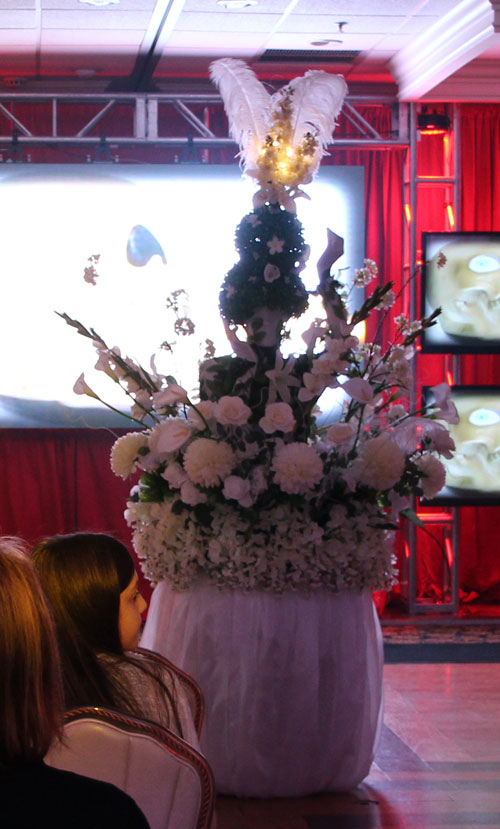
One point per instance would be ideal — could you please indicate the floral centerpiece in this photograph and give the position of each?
(245, 484)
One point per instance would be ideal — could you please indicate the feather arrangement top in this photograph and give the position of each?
(282, 137)
(247, 104)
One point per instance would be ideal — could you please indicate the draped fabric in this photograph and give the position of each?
(292, 683)
(60, 481)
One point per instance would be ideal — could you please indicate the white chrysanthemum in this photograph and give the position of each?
(297, 467)
(433, 474)
(124, 453)
(208, 462)
(381, 463)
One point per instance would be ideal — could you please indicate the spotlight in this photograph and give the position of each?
(432, 123)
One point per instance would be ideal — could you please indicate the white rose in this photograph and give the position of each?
(340, 433)
(237, 489)
(175, 475)
(194, 414)
(190, 495)
(169, 435)
(231, 411)
(278, 417)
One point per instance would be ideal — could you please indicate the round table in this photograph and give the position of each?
(292, 683)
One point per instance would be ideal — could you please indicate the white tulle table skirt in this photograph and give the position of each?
(292, 683)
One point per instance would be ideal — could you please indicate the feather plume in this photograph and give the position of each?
(316, 100)
(247, 104)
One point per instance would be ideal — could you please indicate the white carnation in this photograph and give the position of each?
(125, 453)
(208, 462)
(381, 463)
(297, 467)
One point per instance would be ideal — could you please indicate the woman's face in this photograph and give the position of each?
(132, 606)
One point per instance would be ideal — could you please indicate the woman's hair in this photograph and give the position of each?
(83, 575)
(30, 682)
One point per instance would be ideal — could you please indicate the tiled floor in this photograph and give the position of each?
(437, 765)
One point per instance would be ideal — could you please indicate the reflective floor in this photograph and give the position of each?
(437, 765)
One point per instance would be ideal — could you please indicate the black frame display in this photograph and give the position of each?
(459, 275)
(480, 448)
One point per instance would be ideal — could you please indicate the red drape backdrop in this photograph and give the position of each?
(57, 481)
(480, 210)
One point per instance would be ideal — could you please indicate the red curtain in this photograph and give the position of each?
(480, 210)
(60, 481)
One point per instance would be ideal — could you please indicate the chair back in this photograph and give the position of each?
(190, 686)
(168, 779)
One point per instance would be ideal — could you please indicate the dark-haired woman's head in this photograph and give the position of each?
(91, 584)
(30, 686)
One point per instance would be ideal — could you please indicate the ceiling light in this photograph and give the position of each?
(237, 4)
(432, 123)
(324, 42)
(99, 2)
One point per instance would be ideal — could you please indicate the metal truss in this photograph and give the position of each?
(148, 116)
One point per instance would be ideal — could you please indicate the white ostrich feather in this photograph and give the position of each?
(247, 104)
(316, 100)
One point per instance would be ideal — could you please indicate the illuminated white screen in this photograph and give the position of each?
(54, 217)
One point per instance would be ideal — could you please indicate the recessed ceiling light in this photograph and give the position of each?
(99, 2)
(324, 42)
(237, 4)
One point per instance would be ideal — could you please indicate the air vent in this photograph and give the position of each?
(308, 56)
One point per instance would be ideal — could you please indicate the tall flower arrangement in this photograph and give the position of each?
(247, 484)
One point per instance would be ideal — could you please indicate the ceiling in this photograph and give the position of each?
(415, 49)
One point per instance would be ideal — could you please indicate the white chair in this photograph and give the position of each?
(168, 779)
(190, 686)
